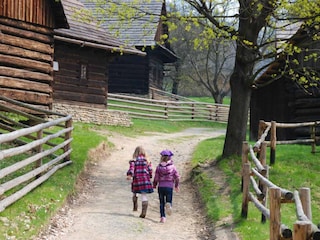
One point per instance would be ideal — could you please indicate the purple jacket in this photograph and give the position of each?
(166, 175)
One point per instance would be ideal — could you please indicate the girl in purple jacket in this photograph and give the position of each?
(167, 178)
(140, 171)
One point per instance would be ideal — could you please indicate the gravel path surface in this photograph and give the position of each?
(103, 209)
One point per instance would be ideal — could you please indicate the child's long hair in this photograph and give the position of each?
(139, 151)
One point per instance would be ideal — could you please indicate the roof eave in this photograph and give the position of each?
(109, 48)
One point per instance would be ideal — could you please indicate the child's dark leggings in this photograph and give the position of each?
(165, 196)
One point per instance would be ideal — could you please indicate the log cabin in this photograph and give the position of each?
(26, 49)
(82, 56)
(277, 97)
(135, 74)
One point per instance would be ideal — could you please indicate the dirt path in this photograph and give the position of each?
(103, 211)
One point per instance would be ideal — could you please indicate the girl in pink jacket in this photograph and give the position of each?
(140, 171)
(166, 178)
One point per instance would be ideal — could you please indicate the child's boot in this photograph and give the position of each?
(135, 203)
(144, 209)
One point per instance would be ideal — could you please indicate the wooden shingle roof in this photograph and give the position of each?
(140, 29)
(87, 33)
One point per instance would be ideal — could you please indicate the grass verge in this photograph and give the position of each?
(295, 167)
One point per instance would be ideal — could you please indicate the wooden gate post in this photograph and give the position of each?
(273, 142)
(305, 198)
(245, 191)
(313, 137)
(245, 150)
(263, 187)
(39, 150)
(275, 215)
(301, 230)
(67, 136)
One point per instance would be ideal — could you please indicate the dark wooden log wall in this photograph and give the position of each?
(285, 101)
(156, 71)
(26, 53)
(129, 74)
(68, 85)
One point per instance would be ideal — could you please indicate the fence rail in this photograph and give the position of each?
(144, 108)
(256, 179)
(266, 127)
(31, 148)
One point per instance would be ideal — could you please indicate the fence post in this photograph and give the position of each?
(273, 142)
(275, 221)
(313, 136)
(67, 136)
(261, 128)
(193, 111)
(301, 230)
(245, 150)
(305, 198)
(245, 191)
(216, 113)
(262, 186)
(38, 150)
(166, 110)
(210, 112)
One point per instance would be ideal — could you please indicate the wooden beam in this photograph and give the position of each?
(21, 52)
(25, 74)
(26, 43)
(26, 63)
(24, 96)
(17, 83)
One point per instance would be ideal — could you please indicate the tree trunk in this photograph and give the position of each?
(240, 83)
(238, 116)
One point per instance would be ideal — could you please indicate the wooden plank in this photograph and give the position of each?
(25, 74)
(69, 81)
(26, 43)
(26, 63)
(77, 97)
(80, 89)
(25, 96)
(17, 83)
(31, 54)
(26, 34)
(25, 25)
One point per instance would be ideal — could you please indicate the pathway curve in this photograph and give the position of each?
(104, 210)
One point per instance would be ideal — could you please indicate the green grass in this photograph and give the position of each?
(144, 126)
(226, 100)
(295, 167)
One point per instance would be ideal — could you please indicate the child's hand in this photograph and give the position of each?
(177, 189)
(129, 177)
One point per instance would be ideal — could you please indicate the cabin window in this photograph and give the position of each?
(84, 72)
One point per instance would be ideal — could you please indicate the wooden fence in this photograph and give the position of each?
(256, 179)
(144, 108)
(32, 148)
(265, 127)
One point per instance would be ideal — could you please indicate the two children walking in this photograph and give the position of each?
(166, 178)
